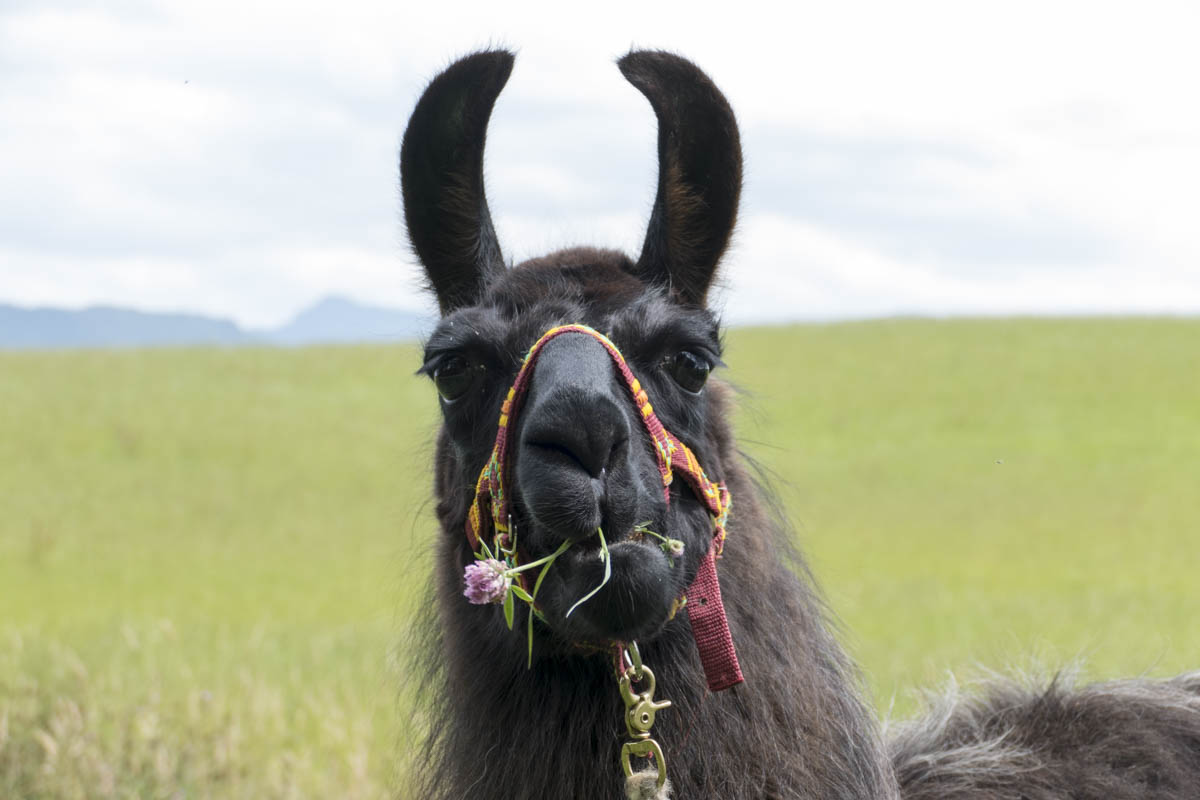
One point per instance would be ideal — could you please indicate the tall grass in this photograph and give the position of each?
(209, 559)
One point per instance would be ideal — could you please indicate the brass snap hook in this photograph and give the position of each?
(640, 707)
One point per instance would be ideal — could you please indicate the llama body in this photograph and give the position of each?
(798, 728)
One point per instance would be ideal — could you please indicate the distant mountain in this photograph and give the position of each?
(106, 326)
(338, 319)
(332, 320)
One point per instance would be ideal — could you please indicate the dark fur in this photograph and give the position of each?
(1123, 740)
(556, 730)
(798, 727)
(445, 208)
(699, 178)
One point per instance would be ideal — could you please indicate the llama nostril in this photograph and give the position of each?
(593, 448)
(567, 455)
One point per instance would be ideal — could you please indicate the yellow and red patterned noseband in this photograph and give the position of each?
(490, 508)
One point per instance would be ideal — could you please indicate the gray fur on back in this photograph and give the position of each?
(1108, 741)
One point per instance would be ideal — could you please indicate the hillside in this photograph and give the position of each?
(106, 326)
(330, 320)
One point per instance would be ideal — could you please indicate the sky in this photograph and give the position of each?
(238, 158)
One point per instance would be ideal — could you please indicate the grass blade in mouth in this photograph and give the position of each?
(537, 585)
(607, 559)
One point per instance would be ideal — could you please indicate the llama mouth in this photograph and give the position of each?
(629, 546)
(634, 603)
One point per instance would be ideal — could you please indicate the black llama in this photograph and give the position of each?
(528, 705)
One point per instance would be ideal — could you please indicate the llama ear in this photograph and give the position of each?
(441, 178)
(699, 173)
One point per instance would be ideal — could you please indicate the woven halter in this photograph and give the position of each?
(706, 611)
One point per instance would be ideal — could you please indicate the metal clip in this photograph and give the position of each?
(634, 656)
(640, 708)
(507, 540)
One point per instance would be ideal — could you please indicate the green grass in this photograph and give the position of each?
(209, 558)
(219, 542)
(995, 492)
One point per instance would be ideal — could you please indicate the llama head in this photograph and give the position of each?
(579, 457)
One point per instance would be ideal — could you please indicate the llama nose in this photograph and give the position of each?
(578, 429)
(573, 437)
(573, 411)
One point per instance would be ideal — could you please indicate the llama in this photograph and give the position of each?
(610, 464)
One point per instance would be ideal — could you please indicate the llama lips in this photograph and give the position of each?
(633, 603)
(489, 512)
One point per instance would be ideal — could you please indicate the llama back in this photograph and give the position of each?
(1121, 740)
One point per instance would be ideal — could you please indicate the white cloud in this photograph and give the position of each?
(239, 157)
(783, 269)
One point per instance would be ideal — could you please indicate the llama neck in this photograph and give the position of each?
(796, 729)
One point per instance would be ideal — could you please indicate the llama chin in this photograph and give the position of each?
(517, 707)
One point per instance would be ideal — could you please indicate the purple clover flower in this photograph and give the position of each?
(486, 582)
(674, 547)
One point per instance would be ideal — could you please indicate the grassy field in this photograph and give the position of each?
(209, 558)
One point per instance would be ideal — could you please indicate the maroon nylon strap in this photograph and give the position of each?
(706, 611)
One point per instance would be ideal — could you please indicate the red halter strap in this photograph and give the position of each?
(706, 611)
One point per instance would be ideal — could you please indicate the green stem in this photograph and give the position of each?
(607, 574)
(542, 560)
(655, 534)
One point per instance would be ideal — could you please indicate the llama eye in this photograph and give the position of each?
(689, 370)
(453, 377)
